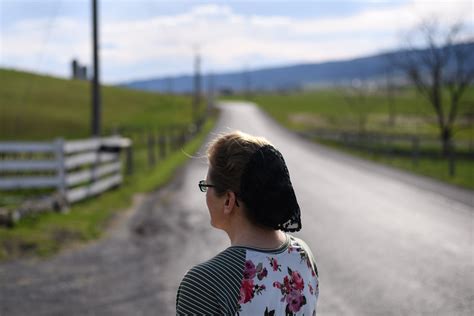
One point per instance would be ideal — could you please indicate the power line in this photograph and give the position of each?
(45, 41)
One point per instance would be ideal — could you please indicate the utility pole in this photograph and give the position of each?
(210, 93)
(246, 83)
(96, 106)
(197, 85)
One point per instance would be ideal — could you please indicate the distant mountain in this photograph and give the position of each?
(286, 77)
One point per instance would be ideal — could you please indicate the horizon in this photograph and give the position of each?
(44, 36)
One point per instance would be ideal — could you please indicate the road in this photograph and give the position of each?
(386, 242)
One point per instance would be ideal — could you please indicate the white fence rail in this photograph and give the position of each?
(75, 169)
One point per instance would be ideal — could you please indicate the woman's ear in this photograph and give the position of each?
(229, 202)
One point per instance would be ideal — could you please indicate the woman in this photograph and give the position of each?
(265, 271)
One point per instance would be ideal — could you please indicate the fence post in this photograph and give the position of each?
(156, 148)
(144, 138)
(415, 150)
(174, 139)
(151, 152)
(61, 203)
(373, 143)
(162, 142)
(183, 136)
(129, 159)
(388, 144)
(452, 159)
(61, 174)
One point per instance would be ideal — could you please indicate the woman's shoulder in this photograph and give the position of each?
(224, 261)
(207, 286)
(298, 243)
(300, 246)
(281, 281)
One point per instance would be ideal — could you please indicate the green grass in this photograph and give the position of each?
(38, 107)
(329, 109)
(436, 167)
(35, 107)
(48, 233)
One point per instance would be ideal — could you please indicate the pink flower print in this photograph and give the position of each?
(311, 290)
(246, 291)
(297, 281)
(292, 291)
(250, 271)
(262, 274)
(295, 300)
(286, 285)
(274, 264)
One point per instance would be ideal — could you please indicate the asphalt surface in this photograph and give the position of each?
(386, 242)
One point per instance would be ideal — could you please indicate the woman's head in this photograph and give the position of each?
(255, 171)
(228, 155)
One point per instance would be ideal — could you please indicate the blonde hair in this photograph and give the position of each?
(228, 155)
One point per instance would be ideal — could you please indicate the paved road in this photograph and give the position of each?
(387, 243)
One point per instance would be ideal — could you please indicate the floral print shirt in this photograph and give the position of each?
(250, 281)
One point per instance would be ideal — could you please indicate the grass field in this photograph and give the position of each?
(330, 109)
(35, 107)
(43, 108)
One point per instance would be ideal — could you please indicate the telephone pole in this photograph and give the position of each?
(246, 83)
(96, 106)
(210, 93)
(197, 85)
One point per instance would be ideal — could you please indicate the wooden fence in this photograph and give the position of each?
(413, 146)
(160, 142)
(75, 170)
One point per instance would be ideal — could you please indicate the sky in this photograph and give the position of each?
(142, 39)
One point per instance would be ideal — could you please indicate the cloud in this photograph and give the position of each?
(29, 44)
(226, 38)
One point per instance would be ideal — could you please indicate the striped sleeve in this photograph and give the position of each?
(213, 287)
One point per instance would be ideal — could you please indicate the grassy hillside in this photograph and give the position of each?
(35, 107)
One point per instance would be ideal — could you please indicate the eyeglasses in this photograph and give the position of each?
(203, 186)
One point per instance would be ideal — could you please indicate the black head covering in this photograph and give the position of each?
(267, 192)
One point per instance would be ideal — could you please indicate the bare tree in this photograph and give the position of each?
(356, 97)
(443, 66)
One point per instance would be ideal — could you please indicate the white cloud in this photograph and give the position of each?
(28, 44)
(227, 40)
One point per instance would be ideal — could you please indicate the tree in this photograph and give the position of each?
(444, 65)
(356, 96)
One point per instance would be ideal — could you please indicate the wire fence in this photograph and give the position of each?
(414, 147)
